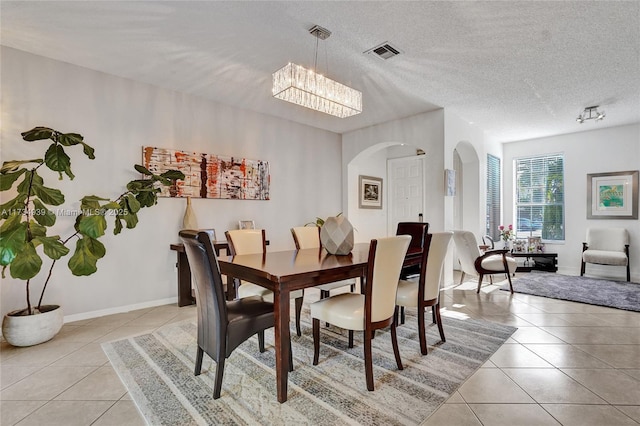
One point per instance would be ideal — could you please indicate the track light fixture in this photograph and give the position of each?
(590, 113)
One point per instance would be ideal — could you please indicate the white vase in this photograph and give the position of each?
(189, 219)
(29, 330)
(336, 235)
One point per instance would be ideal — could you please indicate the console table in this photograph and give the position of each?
(537, 261)
(185, 297)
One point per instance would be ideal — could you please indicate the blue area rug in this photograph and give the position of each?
(601, 292)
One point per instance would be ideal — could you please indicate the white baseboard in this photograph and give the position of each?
(118, 310)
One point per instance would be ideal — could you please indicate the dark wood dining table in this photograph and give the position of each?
(285, 271)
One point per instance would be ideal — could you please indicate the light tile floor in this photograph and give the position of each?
(568, 363)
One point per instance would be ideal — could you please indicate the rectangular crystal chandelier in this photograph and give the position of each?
(296, 84)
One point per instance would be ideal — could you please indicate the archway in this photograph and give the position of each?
(372, 161)
(467, 211)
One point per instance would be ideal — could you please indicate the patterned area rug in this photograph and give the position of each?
(157, 369)
(601, 292)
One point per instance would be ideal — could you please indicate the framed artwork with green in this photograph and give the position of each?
(612, 195)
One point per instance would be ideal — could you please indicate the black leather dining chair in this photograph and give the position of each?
(222, 325)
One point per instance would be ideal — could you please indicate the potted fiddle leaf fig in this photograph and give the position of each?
(26, 218)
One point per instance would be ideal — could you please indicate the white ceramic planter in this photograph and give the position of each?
(29, 330)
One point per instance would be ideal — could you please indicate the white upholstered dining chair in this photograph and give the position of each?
(374, 309)
(253, 241)
(426, 290)
(606, 246)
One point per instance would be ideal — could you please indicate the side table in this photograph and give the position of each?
(537, 261)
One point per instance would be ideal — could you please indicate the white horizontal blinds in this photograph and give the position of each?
(540, 197)
(493, 197)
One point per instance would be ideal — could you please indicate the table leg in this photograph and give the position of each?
(232, 288)
(282, 338)
(184, 281)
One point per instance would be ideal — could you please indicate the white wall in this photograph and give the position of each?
(469, 140)
(361, 152)
(594, 151)
(117, 117)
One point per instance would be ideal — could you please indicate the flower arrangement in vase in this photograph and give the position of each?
(507, 234)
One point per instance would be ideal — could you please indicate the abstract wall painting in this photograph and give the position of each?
(210, 175)
(612, 195)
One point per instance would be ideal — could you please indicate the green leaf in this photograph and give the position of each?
(140, 185)
(95, 247)
(112, 205)
(37, 133)
(88, 151)
(57, 160)
(50, 196)
(10, 166)
(131, 219)
(53, 247)
(132, 204)
(173, 175)
(7, 179)
(26, 264)
(84, 259)
(143, 170)
(13, 235)
(13, 206)
(118, 226)
(42, 215)
(92, 226)
(76, 225)
(37, 230)
(68, 139)
(147, 199)
(10, 224)
(30, 177)
(91, 203)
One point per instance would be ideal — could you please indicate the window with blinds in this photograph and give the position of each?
(493, 197)
(540, 197)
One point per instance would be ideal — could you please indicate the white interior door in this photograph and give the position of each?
(406, 190)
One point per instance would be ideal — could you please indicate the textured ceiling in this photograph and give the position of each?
(517, 70)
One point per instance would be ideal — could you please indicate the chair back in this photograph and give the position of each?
(417, 231)
(607, 239)
(246, 241)
(210, 296)
(467, 250)
(386, 256)
(487, 240)
(211, 232)
(306, 237)
(433, 262)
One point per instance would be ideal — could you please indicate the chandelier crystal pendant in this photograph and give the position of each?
(590, 113)
(305, 87)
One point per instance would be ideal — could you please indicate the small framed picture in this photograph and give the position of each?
(535, 244)
(370, 192)
(519, 246)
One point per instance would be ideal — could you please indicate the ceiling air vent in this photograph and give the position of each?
(384, 51)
